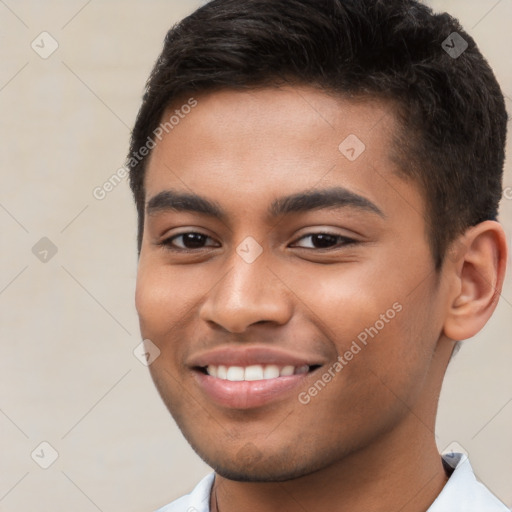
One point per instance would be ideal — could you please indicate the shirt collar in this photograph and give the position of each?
(463, 492)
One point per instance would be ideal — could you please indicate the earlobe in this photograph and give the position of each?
(477, 264)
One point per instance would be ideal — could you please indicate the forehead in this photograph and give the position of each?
(266, 142)
(263, 118)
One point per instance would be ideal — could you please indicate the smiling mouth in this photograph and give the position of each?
(254, 372)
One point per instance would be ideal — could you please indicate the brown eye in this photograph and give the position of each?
(190, 240)
(325, 241)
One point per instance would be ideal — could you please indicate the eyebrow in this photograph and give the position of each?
(336, 197)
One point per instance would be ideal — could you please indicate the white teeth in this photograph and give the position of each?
(271, 372)
(221, 372)
(254, 372)
(235, 373)
(287, 370)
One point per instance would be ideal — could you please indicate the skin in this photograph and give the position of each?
(366, 440)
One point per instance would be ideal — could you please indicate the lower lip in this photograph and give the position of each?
(247, 394)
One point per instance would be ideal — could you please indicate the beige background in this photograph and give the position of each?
(69, 326)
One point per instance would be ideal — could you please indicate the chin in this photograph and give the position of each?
(251, 465)
(262, 475)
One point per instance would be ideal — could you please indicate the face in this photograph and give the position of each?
(286, 278)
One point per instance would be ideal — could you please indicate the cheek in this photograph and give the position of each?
(167, 301)
(150, 299)
(347, 305)
(156, 300)
(397, 354)
(159, 289)
(162, 319)
(381, 331)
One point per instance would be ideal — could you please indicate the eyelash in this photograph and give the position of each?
(345, 241)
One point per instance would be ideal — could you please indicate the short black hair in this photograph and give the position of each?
(450, 107)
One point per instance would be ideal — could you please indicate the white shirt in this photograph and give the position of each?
(462, 493)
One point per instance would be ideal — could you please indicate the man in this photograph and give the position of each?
(317, 184)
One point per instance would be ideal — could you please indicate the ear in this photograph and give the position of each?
(475, 267)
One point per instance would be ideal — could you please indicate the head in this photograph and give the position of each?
(344, 121)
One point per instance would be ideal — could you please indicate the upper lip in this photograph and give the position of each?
(253, 355)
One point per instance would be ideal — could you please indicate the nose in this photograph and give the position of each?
(247, 294)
